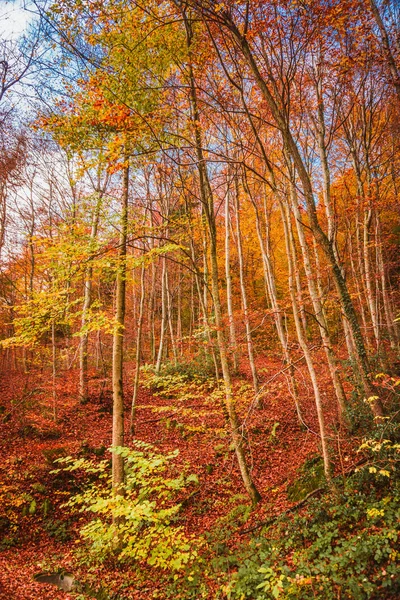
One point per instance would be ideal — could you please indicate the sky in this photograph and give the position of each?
(13, 18)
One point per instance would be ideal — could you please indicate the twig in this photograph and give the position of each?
(257, 396)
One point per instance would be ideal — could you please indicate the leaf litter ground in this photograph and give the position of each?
(38, 534)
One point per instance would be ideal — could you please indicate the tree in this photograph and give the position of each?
(274, 80)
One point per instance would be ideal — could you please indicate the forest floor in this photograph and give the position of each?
(39, 536)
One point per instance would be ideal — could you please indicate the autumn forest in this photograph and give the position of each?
(199, 300)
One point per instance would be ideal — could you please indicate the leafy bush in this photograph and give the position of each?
(344, 547)
(176, 386)
(59, 530)
(345, 550)
(142, 520)
(311, 477)
(199, 368)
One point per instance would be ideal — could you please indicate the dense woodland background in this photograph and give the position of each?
(199, 252)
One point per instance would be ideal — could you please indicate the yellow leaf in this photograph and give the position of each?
(384, 473)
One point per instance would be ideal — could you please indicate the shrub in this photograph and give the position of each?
(200, 368)
(342, 547)
(143, 520)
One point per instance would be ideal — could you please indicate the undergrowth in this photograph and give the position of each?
(200, 367)
(343, 546)
(143, 520)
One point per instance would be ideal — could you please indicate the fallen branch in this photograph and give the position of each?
(158, 419)
(25, 396)
(285, 512)
(301, 503)
(187, 500)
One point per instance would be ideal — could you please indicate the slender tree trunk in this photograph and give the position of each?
(389, 317)
(151, 313)
(201, 291)
(303, 343)
(205, 263)
(163, 315)
(193, 316)
(269, 277)
(138, 349)
(371, 299)
(179, 311)
(206, 322)
(292, 150)
(237, 436)
(359, 273)
(3, 213)
(87, 300)
(330, 216)
(118, 344)
(208, 205)
(349, 338)
(170, 318)
(229, 301)
(249, 340)
(54, 368)
(318, 308)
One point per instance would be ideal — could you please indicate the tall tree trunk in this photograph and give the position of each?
(229, 300)
(237, 436)
(118, 343)
(282, 121)
(359, 272)
(163, 315)
(151, 312)
(204, 313)
(318, 307)
(348, 332)
(200, 294)
(138, 348)
(371, 299)
(179, 310)
(326, 180)
(87, 300)
(390, 322)
(54, 368)
(208, 206)
(249, 340)
(269, 277)
(285, 212)
(170, 318)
